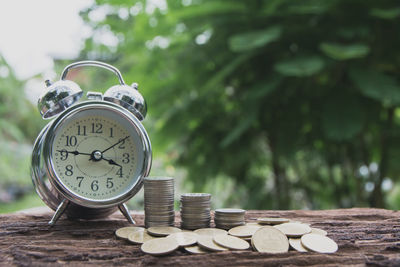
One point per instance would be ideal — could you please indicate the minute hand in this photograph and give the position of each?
(121, 140)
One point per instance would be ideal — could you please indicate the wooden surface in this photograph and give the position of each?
(364, 236)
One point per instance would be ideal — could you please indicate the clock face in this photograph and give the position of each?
(97, 154)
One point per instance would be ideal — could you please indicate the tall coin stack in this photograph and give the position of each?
(195, 210)
(159, 201)
(229, 218)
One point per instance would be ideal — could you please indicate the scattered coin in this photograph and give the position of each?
(159, 246)
(196, 250)
(272, 221)
(207, 242)
(124, 232)
(163, 230)
(319, 243)
(269, 239)
(253, 224)
(210, 231)
(295, 243)
(184, 238)
(231, 242)
(293, 229)
(139, 237)
(318, 231)
(243, 230)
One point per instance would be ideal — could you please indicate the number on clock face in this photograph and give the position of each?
(94, 156)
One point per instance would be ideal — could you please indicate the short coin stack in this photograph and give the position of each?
(159, 201)
(229, 218)
(195, 210)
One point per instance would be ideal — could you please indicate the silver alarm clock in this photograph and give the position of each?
(92, 157)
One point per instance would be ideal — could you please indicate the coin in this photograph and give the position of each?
(231, 242)
(162, 230)
(159, 201)
(184, 238)
(269, 239)
(139, 237)
(229, 218)
(243, 231)
(293, 229)
(319, 243)
(254, 224)
(230, 211)
(210, 231)
(272, 221)
(159, 246)
(295, 243)
(195, 250)
(207, 242)
(125, 231)
(195, 210)
(318, 231)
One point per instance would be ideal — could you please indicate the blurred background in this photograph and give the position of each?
(266, 104)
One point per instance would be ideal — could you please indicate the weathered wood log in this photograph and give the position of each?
(364, 236)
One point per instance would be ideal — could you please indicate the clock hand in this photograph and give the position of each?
(74, 152)
(120, 140)
(112, 162)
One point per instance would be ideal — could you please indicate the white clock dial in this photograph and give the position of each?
(96, 154)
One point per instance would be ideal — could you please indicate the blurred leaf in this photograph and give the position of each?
(11, 131)
(262, 89)
(240, 128)
(255, 39)
(391, 13)
(310, 7)
(342, 118)
(376, 85)
(343, 52)
(208, 9)
(300, 66)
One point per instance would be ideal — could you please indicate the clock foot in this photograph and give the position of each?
(60, 210)
(124, 210)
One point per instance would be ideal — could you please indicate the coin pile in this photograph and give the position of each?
(159, 201)
(263, 238)
(229, 218)
(195, 210)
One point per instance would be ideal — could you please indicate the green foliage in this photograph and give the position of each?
(344, 52)
(19, 125)
(286, 99)
(251, 40)
(300, 66)
(376, 85)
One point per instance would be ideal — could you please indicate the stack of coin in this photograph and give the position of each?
(229, 218)
(195, 210)
(159, 201)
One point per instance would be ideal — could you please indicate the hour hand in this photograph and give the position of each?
(112, 162)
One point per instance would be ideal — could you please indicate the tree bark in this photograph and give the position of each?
(364, 236)
(377, 194)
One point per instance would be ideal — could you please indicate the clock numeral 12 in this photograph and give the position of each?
(97, 128)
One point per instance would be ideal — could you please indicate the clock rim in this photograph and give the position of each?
(69, 194)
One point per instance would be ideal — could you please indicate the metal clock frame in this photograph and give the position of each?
(42, 154)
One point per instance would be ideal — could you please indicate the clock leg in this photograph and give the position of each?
(124, 210)
(60, 210)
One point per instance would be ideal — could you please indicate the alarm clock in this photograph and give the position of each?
(92, 157)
